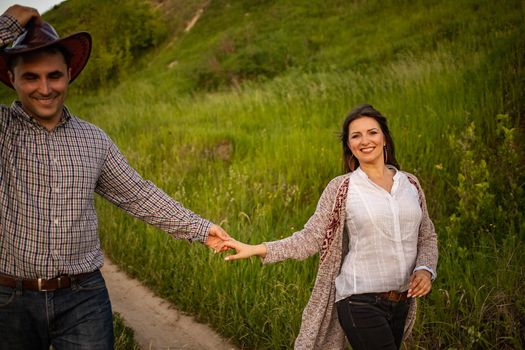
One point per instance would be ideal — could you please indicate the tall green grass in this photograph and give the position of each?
(256, 159)
(253, 153)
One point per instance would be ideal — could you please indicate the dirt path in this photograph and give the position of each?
(156, 323)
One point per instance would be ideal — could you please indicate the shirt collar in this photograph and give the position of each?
(361, 173)
(19, 111)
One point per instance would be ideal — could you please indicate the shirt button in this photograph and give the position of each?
(56, 221)
(57, 190)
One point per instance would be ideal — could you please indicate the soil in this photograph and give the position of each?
(156, 323)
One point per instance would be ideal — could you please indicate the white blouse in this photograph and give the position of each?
(382, 254)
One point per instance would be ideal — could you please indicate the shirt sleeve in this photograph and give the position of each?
(123, 186)
(10, 29)
(427, 268)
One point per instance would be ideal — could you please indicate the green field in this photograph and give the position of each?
(238, 119)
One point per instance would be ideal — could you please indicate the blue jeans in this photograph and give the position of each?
(370, 322)
(79, 317)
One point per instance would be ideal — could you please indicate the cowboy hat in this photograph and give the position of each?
(41, 34)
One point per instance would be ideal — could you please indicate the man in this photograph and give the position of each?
(51, 164)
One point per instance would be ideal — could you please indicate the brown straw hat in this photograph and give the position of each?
(40, 35)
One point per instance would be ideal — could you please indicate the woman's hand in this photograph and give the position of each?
(244, 250)
(420, 284)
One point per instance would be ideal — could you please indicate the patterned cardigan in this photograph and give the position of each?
(324, 233)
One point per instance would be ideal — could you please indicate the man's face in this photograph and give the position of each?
(41, 80)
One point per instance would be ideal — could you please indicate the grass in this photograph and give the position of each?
(283, 151)
(124, 336)
(252, 147)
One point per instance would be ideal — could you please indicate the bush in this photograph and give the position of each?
(483, 237)
(121, 31)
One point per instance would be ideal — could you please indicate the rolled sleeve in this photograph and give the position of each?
(427, 268)
(10, 29)
(201, 229)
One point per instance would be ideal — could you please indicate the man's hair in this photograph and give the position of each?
(14, 60)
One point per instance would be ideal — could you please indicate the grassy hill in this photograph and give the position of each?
(238, 118)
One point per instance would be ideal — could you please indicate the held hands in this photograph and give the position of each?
(23, 14)
(220, 241)
(420, 284)
(216, 238)
(244, 250)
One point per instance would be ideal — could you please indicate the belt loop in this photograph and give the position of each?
(19, 287)
(74, 283)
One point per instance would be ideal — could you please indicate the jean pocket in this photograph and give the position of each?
(7, 295)
(362, 299)
(92, 282)
(365, 315)
(355, 302)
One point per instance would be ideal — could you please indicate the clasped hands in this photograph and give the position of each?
(220, 241)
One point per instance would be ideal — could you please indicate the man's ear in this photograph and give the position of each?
(68, 75)
(11, 77)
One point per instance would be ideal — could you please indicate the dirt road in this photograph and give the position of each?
(156, 323)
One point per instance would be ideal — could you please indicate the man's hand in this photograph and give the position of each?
(420, 284)
(216, 238)
(23, 14)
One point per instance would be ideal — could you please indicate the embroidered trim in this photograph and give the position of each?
(335, 217)
(420, 196)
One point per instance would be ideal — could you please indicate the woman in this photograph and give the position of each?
(377, 245)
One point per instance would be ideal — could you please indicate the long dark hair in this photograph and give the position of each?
(350, 163)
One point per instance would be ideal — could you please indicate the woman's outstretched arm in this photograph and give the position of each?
(244, 250)
(301, 244)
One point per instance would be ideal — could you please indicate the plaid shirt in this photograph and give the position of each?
(9, 30)
(48, 222)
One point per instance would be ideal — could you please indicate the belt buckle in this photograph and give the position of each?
(393, 296)
(40, 289)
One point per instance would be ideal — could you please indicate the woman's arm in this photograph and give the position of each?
(301, 244)
(244, 250)
(427, 247)
(427, 250)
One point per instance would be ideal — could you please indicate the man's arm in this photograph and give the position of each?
(13, 21)
(122, 185)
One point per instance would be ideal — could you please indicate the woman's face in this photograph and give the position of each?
(366, 141)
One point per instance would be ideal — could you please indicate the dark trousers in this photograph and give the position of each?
(79, 317)
(371, 323)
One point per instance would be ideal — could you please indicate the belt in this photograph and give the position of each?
(393, 295)
(42, 284)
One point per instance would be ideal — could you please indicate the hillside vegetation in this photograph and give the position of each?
(238, 119)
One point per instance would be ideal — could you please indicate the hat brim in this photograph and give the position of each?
(78, 45)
